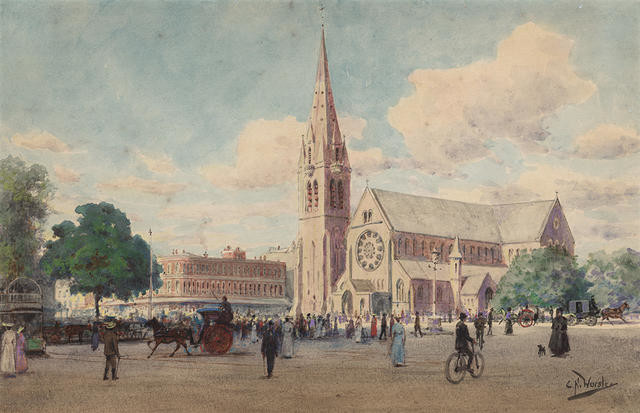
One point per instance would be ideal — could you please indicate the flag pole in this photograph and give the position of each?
(150, 278)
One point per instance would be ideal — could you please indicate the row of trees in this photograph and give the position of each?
(549, 277)
(99, 255)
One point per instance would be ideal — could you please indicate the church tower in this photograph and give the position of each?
(324, 182)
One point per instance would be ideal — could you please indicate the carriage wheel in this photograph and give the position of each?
(526, 319)
(571, 320)
(591, 321)
(218, 339)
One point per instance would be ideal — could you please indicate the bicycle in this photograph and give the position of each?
(456, 366)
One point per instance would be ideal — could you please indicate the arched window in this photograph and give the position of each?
(407, 246)
(492, 255)
(315, 194)
(332, 193)
(341, 196)
(399, 246)
(309, 155)
(432, 246)
(337, 154)
(471, 251)
(450, 248)
(280, 290)
(309, 196)
(510, 254)
(369, 215)
(400, 290)
(364, 216)
(424, 246)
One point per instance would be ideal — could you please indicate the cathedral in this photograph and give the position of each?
(398, 252)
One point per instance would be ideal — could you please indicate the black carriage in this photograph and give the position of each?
(216, 332)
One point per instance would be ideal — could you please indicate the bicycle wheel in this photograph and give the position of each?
(478, 365)
(455, 368)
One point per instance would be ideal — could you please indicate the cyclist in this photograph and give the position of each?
(463, 339)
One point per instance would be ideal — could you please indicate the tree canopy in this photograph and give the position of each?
(546, 277)
(100, 255)
(615, 278)
(24, 194)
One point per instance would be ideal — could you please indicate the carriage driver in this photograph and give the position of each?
(111, 350)
(463, 339)
(226, 309)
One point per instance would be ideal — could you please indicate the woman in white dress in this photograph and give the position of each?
(358, 329)
(287, 339)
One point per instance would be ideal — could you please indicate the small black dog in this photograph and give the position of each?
(541, 350)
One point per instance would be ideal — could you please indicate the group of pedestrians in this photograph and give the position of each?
(13, 357)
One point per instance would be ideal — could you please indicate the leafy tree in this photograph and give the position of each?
(546, 277)
(24, 194)
(615, 277)
(100, 256)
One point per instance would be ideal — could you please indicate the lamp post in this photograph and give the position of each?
(434, 321)
(150, 278)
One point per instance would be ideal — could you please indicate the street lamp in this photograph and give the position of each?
(435, 323)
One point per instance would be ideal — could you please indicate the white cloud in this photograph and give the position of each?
(40, 140)
(607, 141)
(160, 163)
(148, 186)
(267, 154)
(65, 174)
(454, 112)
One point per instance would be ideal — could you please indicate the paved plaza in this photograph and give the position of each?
(340, 375)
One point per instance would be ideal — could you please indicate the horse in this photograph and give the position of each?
(608, 313)
(76, 329)
(162, 335)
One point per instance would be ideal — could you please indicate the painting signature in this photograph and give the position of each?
(586, 386)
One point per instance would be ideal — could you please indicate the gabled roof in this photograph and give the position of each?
(473, 283)
(522, 221)
(517, 222)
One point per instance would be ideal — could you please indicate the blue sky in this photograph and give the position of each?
(186, 115)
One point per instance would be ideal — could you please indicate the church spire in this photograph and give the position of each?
(323, 121)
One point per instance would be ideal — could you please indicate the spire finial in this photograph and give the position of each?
(556, 194)
(367, 182)
(322, 14)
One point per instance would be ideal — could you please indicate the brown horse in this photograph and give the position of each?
(76, 329)
(608, 313)
(162, 335)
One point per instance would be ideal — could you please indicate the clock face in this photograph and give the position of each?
(370, 250)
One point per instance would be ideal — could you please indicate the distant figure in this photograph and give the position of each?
(479, 325)
(358, 333)
(536, 315)
(508, 323)
(397, 343)
(374, 327)
(490, 322)
(383, 327)
(463, 339)
(559, 341)
(593, 307)
(416, 325)
(227, 311)
(21, 352)
(111, 350)
(8, 358)
(350, 330)
(269, 348)
(287, 339)
(254, 330)
(95, 336)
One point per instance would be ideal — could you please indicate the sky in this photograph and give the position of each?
(187, 115)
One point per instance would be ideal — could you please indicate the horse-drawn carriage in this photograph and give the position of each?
(216, 332)
(582, 311)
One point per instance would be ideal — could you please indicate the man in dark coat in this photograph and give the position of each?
(111, 350)
(269, 348)
(226, 310)
(383, 327)
(559, 341)
(416, 325)
(490, 322)
(463, 339)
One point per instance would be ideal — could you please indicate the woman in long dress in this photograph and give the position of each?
(508, 323)
(95, 336)
(559, 341)
(358, 329)
(254, 331)
(21, 353)
(287, 339)
(374, 327)
(397, 343)
(8, 358)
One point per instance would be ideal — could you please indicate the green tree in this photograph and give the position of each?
(615, 277)
(99, 255)
(546, 277)
(24, 194)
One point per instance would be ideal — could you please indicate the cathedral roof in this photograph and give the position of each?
(517, 222)
(363, 286)
(472, 284)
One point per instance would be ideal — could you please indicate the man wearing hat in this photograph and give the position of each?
(111, 349)
(269, 348)
(463, 339)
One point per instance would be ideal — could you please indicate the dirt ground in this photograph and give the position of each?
(339, 375)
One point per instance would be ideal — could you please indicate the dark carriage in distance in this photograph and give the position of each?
(216, 333)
